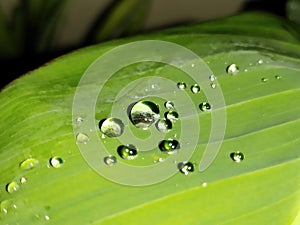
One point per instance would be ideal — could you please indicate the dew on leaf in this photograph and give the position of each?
(212, 77)
(277, 77)
(56, 162)
(12, 187)
(169, 146)
(28, 164)
(111, 127)
(169, 105)
(110, 160)
(128, 152)
(204, 106)
(23, 180)
(143, 114)
(195, 88)
(181, 85)
(172, 116)
(264, 79)
(164, 125)
(186, 167)
(232, 69)
(82, 138)
(237, 156)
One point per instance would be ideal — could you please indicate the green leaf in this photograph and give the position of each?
(262, 122)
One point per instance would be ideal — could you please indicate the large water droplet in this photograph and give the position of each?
(128, 152)
(204, 106)
(143, 114)
(186, 168)
(164, 125)
(82, 138)
(169, 105)
(195, 88)
(169, 146)
(181, 85)
(12, 187)
(29, 163)
(110, 160)
(232, 69)
(56, 162)
(237, 156)
(172, 116)
(111, 127)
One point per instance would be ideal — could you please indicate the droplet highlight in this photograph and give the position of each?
(23, 180)
(170, 146)
(232, 69)
(186, 168)
(56, 162)
(195, 88)
(82, 138)
(110, 160)
(277, 77)
(12, 187)
(204, 106)
(29, 163)
(128, 152)
(212, 77)
(111, 127)
(264, 79)
(237, 156)
(143, 114)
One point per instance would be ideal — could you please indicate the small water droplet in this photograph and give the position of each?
(232, 69)
(5, 206)
(212, 77)
(110, 160)
(169, 146)
(23, 180)
(204, 106)
(79, 120)
(181, 85)
(213, 85)
(195, 88)
(56, 162)
(164, 125)
(172, 116)
(47, 217)
(186, 167)
(82, 138)
(169, 105)
(128, 152)
(204, 184)
(237, 156)
(193, 65)
(143, 114)
(12, 187)
(111, 127)
(260, 61)
(29, 163)
(277, 77)
(264, 79)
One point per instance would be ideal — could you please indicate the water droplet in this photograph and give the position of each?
(232, 69)
(277, 77)
(237, 156)
(204, 184)
(213, 85)
(128, 152)
(193, 65)
(212, 77)
(5, 206)
(110, 160)
(195, 88)
(264, 79)
(169, 146)
(172, 116)
(181, 85)
(29, 163)
(143, 114)
(79, 120)
(23, 180)
(169, 105)
(186, 168)
(82, 138)
(204, 106)
(12, 187)
(47, 217)
(164, 125)
(260, 61)
(56, 162)
(111, 127)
